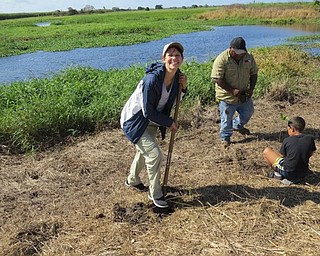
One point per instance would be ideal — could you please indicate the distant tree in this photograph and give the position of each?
(72, 11)
(140, 8)
(194, 6)
(147, 9)
(158, 6)
(88, 8)
(115, 9)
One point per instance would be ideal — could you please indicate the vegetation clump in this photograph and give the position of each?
(43, 112)
(40, 113)
(266, 13)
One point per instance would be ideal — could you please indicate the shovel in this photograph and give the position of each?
(175, 117)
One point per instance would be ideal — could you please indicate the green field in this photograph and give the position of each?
(42, 112)
(131, 27)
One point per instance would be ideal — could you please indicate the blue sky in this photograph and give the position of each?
(15, 6)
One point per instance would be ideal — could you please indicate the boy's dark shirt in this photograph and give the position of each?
(297, 151)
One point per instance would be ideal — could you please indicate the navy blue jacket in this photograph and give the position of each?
(141, 108)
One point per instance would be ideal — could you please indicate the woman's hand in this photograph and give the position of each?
(183, 81)
(174, 127)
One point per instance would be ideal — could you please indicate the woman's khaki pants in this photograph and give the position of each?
(148, 154)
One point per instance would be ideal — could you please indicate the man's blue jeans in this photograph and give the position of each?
(228, 122)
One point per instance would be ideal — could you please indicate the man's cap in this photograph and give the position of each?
(172, 44)
(238, 45)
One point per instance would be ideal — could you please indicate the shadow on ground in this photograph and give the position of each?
(279, 136)
(288, 196)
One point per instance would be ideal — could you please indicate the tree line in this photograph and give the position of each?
(88, 9)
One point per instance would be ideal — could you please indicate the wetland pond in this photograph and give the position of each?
(199, 46)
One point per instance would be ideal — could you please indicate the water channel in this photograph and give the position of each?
(199, 46)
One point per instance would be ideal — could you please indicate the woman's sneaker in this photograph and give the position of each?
(140, 187)
(160, 202)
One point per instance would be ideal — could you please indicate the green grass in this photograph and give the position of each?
(96, 30)
(281, 66)
(40, 113)
(43, 112)
(19, 36)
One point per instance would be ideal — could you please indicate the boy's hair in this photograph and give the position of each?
(297, 122)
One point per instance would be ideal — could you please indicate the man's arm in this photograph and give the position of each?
(253, 82)
(222, 83)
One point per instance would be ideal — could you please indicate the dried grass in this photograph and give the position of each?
(263, 12)
(72, 200)
(280, 91)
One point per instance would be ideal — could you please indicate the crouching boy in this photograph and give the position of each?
(292, 161)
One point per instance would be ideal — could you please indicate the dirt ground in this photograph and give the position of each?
(72, 200)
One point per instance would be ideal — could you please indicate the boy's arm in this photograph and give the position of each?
(282, 150)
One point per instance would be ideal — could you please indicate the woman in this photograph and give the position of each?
(147, 109)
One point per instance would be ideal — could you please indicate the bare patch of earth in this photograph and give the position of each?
(72, 200)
